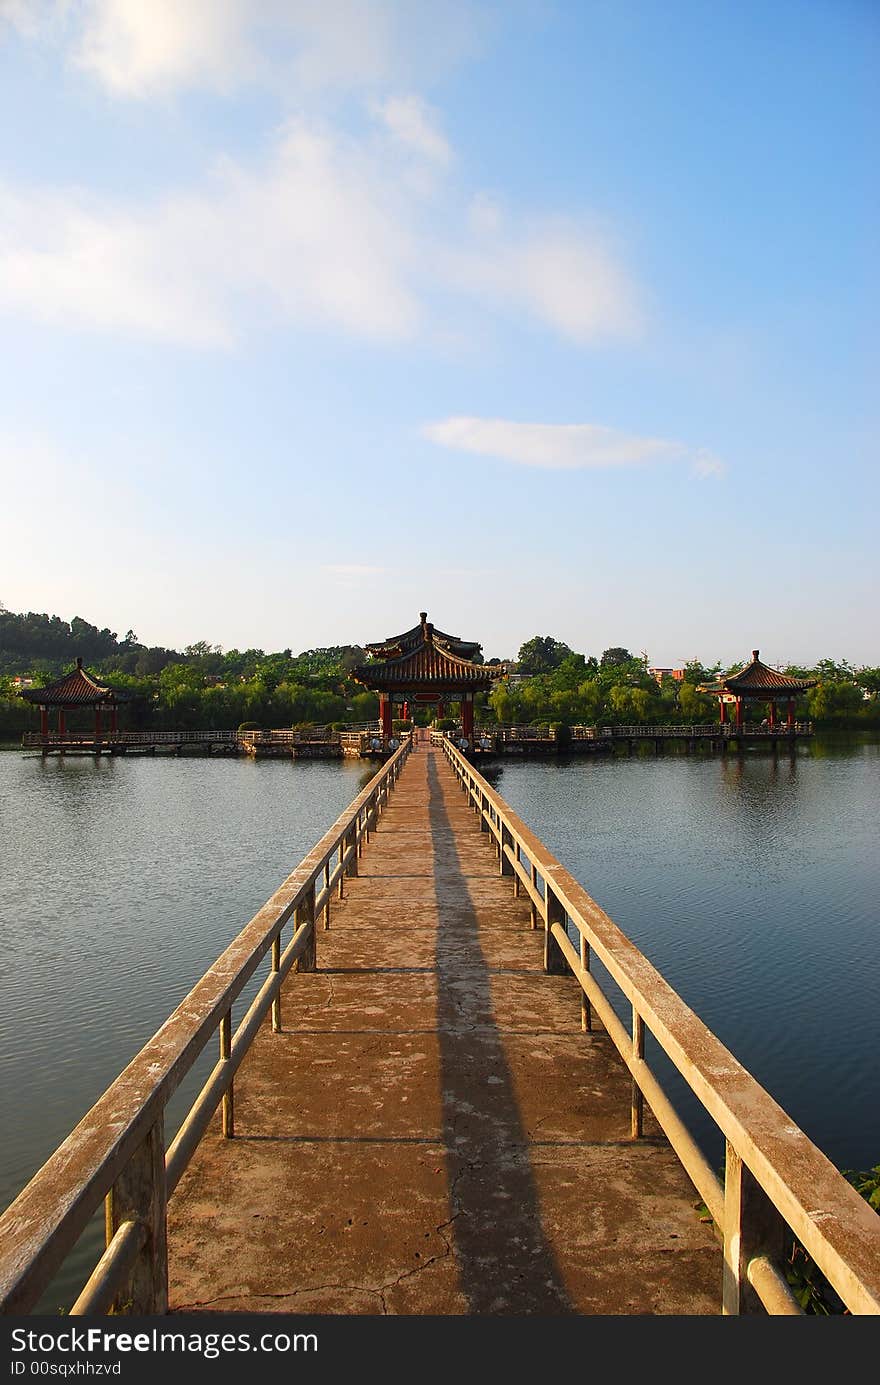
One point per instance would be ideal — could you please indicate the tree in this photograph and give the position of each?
(615, 656)
(541, 654)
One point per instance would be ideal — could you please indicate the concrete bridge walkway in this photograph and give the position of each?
(431, 1132)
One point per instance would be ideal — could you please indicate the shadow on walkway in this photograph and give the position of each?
(504, 1260)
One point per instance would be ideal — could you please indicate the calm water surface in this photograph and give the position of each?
(750, 882)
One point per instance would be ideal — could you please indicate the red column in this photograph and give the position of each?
(97, 723)
(44, 721)
(114, 719)
(62, 723)
(739, 714)
(441, 707)
(385, 714)
(723, 710)
(790, 718)
(467, 718)
(772, 715)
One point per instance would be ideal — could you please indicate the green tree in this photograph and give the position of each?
(541, 654)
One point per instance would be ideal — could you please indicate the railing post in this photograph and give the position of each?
(534, 873)
(586, 1007)
(505, 866)
(305, 914)
(276, 967)
(752, 1227)
(327, 896)
(352, 842)
(484, 804)
(228, 1102)
(554, 958)
(516, 884)
(139, 1194)
(637, 1115)
(341, 884)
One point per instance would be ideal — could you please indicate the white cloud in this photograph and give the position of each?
(563, 273)
(329, 230)
(556, 446)
(414, 126)
(139, 49)
(351, 569)
(67, 258)
(316, 236)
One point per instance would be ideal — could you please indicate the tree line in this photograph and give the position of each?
(203, 686)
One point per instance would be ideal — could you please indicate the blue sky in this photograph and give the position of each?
(543, 318)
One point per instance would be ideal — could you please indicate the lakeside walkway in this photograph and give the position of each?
(431, 1132)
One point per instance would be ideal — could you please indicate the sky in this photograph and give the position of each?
(544, 318)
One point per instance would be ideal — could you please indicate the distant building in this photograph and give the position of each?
(661, 673)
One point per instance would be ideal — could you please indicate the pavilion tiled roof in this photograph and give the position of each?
(76, 689)
(429, 659)
(397, 645)
(755, 679)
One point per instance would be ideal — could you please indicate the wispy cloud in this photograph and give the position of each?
(140, 49)
(414, 126)
(363, 233)
(329, 230)
(561, 446)
(351, 569)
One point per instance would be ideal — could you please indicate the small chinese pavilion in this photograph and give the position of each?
(72, 693)
(426, 666)
(755, 682)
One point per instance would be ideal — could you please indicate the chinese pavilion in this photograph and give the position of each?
(75, 691)
(425, 665)
(755, 682)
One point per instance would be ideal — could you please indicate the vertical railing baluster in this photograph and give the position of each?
(140, 1194)
(638, 1101)
(276, 967)
(327, 894)
(534, 874)
(228, 1103)
(586, 1007)
(752, 1227)
(554, 958)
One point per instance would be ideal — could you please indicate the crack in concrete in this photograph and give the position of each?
(288, 1293)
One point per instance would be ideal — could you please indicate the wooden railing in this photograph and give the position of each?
(777, 1183)
(117, 1152)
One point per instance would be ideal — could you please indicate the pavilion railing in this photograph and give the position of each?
(117, 1152)
(777, 1183)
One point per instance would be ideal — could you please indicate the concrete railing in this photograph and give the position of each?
(777, 1183)
(117, 1155)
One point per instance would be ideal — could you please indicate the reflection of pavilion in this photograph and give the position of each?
(755, 682)
(426, 666)
(75, 692)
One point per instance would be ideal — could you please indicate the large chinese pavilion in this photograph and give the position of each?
(74, 692)
(755, 682)
(426, 666)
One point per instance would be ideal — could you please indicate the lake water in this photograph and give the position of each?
(750, 882)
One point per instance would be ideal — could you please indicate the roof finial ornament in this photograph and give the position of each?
(755, 655)
(79, 662)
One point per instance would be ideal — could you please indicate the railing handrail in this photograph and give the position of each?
(833, 1222)
(44, 1222)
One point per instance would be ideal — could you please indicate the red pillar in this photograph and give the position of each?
(44, 721)
(441, 707)
(114, 719)
(723, 710)
(97, 723)
(467, 718)
(789, 721)
(772, 715)
(385, 714)
(62, 723)
(739, 714)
